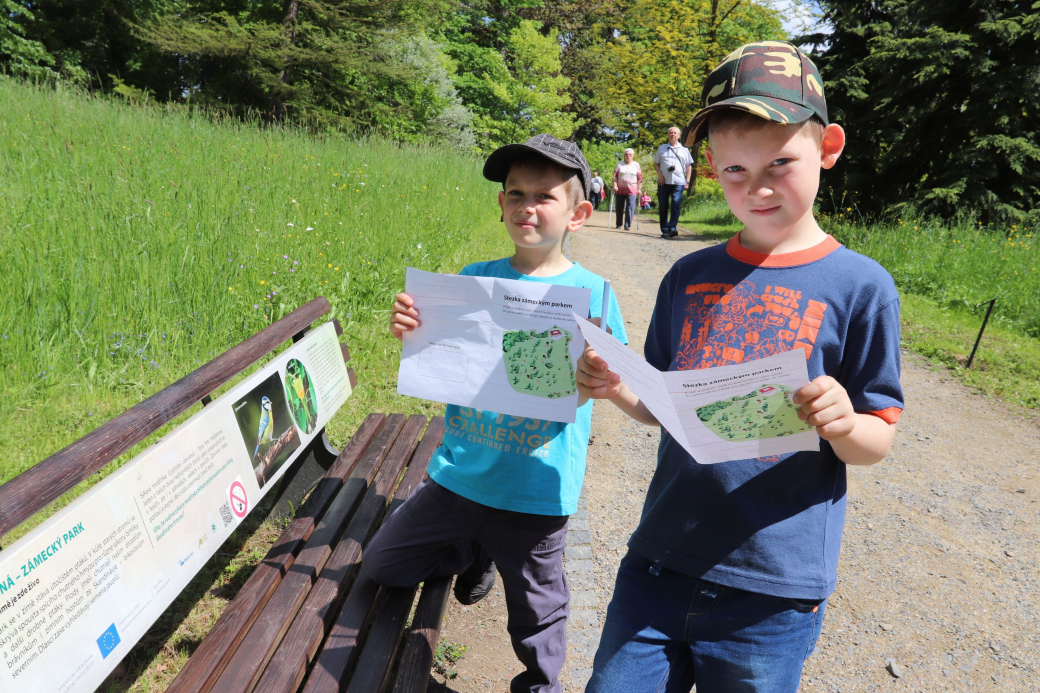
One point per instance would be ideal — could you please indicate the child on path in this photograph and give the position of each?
(727, 575)
(484, 506)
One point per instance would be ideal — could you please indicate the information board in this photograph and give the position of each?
(80, 590)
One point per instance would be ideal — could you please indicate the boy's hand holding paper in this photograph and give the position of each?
(717, 414)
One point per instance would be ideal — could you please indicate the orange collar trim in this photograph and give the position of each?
(799, 257)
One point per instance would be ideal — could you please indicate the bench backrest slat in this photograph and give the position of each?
(207, 662)
(34, 488)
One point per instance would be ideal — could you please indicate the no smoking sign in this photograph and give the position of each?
(238, 499)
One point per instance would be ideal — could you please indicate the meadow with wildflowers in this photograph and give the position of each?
(945, 271)
(139, 243)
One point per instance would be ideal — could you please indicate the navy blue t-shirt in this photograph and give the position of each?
(771, 525)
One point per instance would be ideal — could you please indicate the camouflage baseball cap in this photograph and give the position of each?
(772, 79)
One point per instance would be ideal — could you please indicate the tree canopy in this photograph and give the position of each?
(475, 74)
(940, 102)
(658, 58)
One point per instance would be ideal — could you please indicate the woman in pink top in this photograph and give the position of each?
(628, 179)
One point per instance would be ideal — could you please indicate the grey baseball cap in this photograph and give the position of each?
(566, 154)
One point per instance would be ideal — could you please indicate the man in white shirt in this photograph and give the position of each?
(597, 189)
(674, 165)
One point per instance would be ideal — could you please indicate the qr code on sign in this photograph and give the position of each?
(225, 514)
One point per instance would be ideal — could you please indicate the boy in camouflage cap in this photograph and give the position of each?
(727, 575)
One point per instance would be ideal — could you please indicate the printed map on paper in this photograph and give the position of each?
(539, 363)
(718, 414)
(502, 345)
(766, 412)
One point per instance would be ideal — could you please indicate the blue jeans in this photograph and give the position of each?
(666, 631)
(669, 199)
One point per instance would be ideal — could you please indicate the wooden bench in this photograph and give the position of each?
(306, 603)
(305, 619)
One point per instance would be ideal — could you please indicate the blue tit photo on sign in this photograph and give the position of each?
(266, 423)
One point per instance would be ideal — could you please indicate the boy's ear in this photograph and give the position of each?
(710, 156)
(582, 213)
(501, 204)
(832, 145)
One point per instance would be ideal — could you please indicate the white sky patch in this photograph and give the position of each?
(799, 16)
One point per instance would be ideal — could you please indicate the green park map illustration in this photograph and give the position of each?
(539, 363)
(764, 413)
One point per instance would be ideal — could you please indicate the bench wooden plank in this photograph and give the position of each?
(247, 663)
(289, 664)
(201, 670)
(340, 648)
(373, 669)
(33, 489)
(413, 675)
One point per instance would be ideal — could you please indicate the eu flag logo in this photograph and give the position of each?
(108, 641)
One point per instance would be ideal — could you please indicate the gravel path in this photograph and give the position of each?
(939, 566)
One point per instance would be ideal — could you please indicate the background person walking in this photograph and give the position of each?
(597, 190)
(628, 179)
(674, 165)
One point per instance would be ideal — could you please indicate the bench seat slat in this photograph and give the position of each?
(247, 663)
(413, 675)
(340, 648)
(201, 670)
(289, 664)
(373, 667)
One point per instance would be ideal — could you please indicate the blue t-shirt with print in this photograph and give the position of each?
(770, 525)
(512, 462)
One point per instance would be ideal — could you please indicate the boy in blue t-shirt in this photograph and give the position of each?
(728, 572)
(501, 487)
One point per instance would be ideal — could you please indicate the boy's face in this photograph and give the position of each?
(771, 175)
(536, 207)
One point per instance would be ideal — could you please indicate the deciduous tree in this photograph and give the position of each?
(18, 54)
(655, 65)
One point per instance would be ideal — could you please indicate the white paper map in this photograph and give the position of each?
(718, 414)
(500, 344)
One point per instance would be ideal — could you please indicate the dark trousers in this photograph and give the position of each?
(669, 199)
(597, 197)
(438, 532)
(626, 205)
